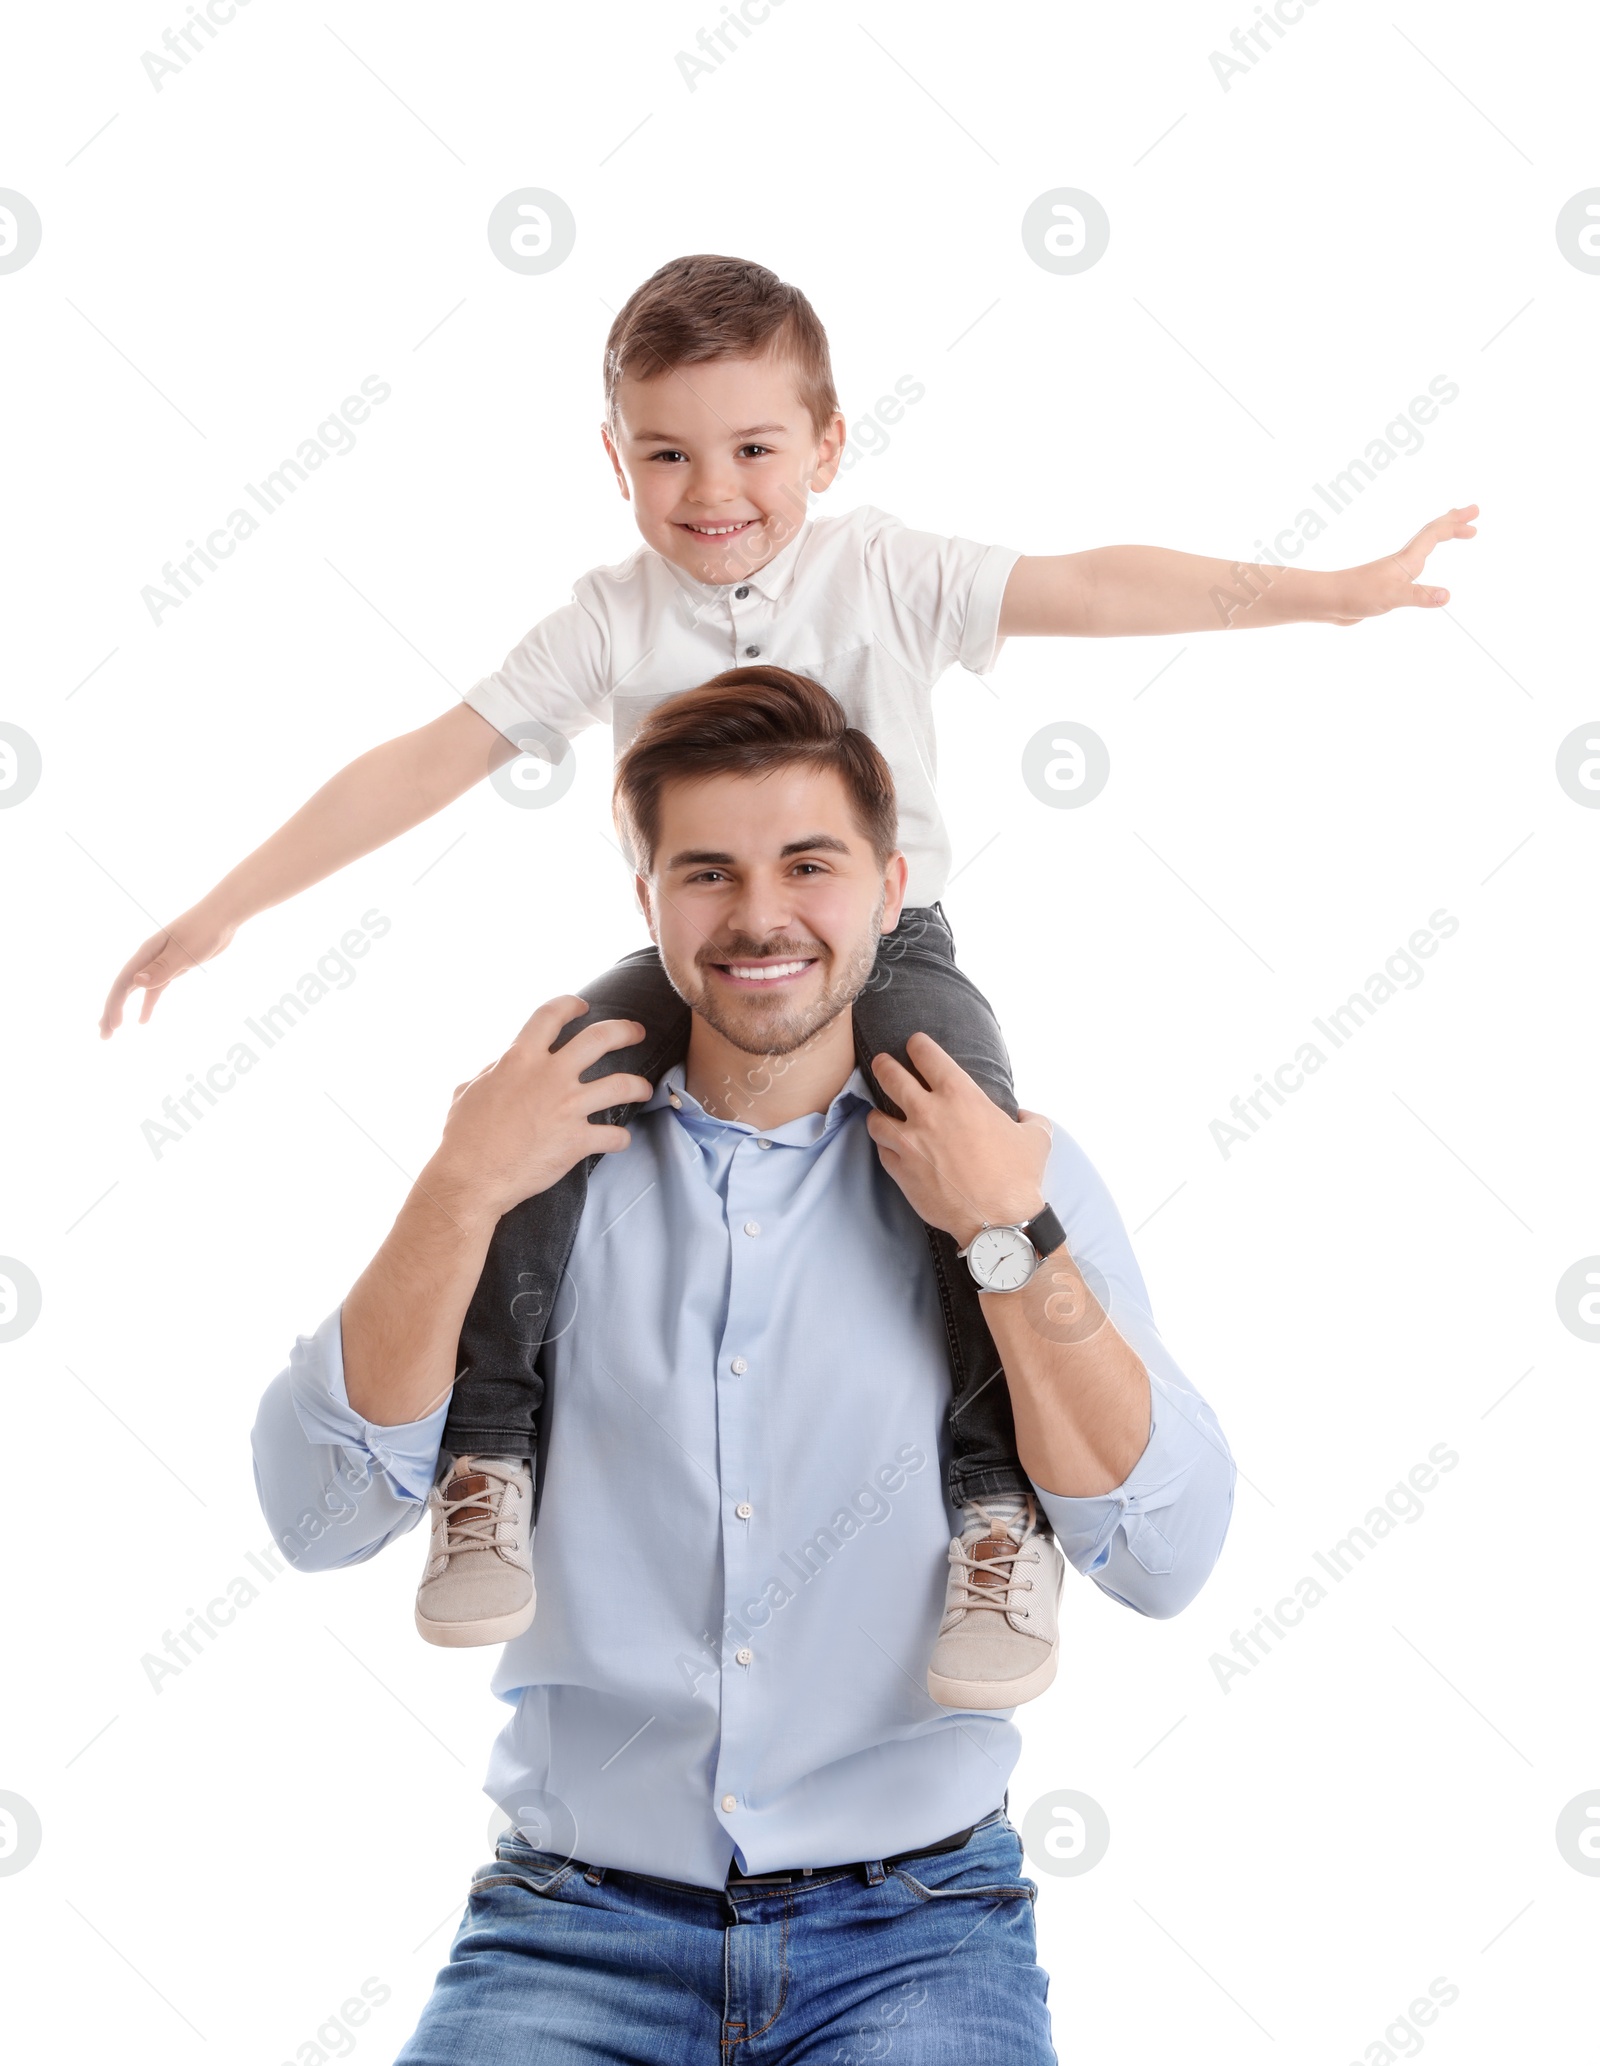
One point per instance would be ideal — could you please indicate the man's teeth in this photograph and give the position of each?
(766, 971)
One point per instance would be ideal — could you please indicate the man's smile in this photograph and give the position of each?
(768, 974)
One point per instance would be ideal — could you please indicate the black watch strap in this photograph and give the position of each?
(1046, 1232)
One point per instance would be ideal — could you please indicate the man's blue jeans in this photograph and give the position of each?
(930, 1963)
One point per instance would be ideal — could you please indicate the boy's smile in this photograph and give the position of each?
(718, 460)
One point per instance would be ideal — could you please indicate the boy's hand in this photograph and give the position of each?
(961, 1162)
(1391, 583)
(518, 1126)
(197, 936)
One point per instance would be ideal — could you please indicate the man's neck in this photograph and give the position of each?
(767, 1091)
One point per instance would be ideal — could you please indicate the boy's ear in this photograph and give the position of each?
(616, 463)
(829, 453)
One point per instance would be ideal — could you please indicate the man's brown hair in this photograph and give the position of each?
(749, 721)
(705, 307)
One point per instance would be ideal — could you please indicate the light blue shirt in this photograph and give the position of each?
(741, 1544)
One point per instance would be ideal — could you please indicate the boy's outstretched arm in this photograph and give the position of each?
(1120, 590)
(367, 804)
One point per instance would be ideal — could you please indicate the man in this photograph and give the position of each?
(741, 1827)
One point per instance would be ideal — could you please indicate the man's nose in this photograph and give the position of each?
(763, 909)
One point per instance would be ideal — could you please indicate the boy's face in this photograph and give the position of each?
(717, 460)
(766, 901)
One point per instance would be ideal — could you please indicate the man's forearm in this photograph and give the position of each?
(1080, 1397)
(401, 1322)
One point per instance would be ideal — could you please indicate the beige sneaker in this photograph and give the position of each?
(997, 1642)
(478, 1583)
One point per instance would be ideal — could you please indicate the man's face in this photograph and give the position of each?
(766, 901)
(717, 460)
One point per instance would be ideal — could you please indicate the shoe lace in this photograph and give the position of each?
(471, 1519)
(988, 1581)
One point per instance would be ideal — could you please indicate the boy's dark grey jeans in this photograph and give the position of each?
(915, 987)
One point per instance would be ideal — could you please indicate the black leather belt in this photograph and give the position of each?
(736, 1878)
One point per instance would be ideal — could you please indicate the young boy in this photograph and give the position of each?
(720, 421)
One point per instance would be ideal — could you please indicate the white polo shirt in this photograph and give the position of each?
(874, 612)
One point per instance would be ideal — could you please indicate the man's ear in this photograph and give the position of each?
(616, 463)
(895, 873)
(641, 889)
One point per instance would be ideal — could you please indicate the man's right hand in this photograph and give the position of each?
(518, 1126)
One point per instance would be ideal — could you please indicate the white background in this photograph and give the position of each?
(1293, 1859)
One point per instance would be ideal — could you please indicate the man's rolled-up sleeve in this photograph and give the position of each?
(334, 1487)
(1152, 1542)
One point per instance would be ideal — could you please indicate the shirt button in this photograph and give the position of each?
(752, 652)
(728, 1804)
(744, 1657)
(738, 1366)
(752, 1228)
(763, 1144)
(741, 593)
(744, 1510)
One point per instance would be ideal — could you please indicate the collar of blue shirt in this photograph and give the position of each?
(803, 1132)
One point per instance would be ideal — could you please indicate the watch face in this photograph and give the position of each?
(1002, 1259)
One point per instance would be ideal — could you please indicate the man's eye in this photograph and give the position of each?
(812, 867)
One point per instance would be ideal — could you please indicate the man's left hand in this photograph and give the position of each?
(962, 1163)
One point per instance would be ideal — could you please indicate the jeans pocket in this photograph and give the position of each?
(988, 1868)
(517, 1865)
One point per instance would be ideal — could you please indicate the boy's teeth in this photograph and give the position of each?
(716, 530)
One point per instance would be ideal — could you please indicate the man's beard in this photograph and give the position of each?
(779, 1031)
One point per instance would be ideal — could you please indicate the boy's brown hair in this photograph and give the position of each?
(749, 721)
(705, 307)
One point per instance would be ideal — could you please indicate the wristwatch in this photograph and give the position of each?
(1005, 1258)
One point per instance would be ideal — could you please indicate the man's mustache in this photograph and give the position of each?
(742, 948)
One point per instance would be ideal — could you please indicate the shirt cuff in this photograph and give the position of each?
(406, 1453)
(1086, 1528)
(492, 700)
(980, 634)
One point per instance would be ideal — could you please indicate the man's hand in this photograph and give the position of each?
(1391, 583)
(962, 1162)
(199, 935)
(518, 1126)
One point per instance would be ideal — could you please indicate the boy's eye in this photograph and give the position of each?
(669, 453)
(755, 448)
